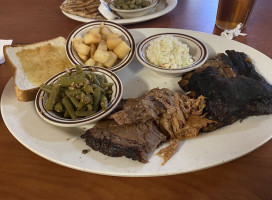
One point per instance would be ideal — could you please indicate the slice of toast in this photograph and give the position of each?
(34, 64)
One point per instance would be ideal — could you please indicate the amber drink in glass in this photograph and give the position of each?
(232, 12)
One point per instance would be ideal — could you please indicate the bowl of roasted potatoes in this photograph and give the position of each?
(78, 96)
(101, 43)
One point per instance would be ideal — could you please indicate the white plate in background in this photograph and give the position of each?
(163, 7)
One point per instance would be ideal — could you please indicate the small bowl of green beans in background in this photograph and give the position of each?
(132, 8)
(78, 96)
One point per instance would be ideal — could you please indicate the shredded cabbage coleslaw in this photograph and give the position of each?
(168, 52)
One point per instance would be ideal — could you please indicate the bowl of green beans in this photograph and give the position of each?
(132, 8)
(78, 96)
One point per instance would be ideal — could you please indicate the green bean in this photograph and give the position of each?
(58, 107)
(66, 114)
(69, 107)
(78, 94)
(49, 105)
(87, 99)
(125, 7)
(64, 76)
(46, 88)
(81, 113)
(101, 78)
(106, 86)
(62, 93)
(72, 92)
(104, 102)
(81, 106)
(66, 82)
(82, 75)
(98, 87)
(108, 92)
(93, 78)
(79, 69)
(90, 107)
(82, 94)
(108, 96)
(139, 2)
(87, 89)
(130, 4)
(96, 99)
(145, 3)
(74, 101)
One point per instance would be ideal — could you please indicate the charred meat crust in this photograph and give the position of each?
(243, 65)
(231, 98)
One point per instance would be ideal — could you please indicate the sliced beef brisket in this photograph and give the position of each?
(142, 109)
(134, 141)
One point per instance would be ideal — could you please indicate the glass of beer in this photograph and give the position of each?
(232, 12)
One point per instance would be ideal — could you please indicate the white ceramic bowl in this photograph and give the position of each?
(134, 12)
(53, 118)
(197, 50)
(116, 28)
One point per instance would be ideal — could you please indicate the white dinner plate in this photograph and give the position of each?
(64, 145)
(163, 7)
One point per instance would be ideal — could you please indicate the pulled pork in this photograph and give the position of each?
(176, 115)
(167, 152)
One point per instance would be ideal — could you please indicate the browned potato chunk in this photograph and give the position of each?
(98, 64)
(101, 55)
(80, 47)
(92, 50)
(113, 42)
(103, 37)
(91, 38)
(111, 60)
(95, 30)
(102, 24)
(90, 62)
(83, 57)
(122, 50)
(113, 35)
(106, 31)
(77, 40)
(102, 45)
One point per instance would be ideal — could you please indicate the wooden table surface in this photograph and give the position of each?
(25, 175)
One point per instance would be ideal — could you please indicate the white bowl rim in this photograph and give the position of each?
(195, 64)
(60, 121)
(134, 10)
(121, 28)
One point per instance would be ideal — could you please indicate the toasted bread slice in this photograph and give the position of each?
(34, 64)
